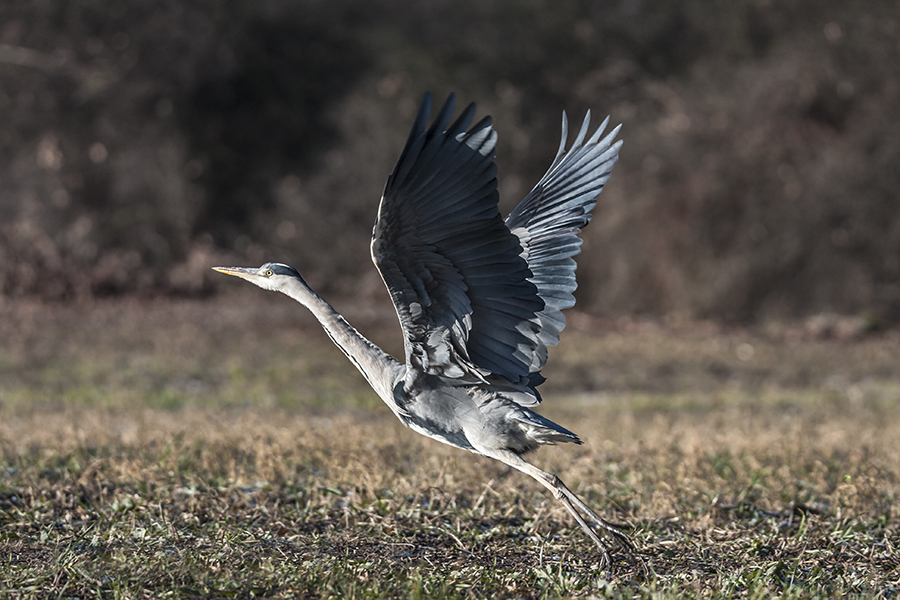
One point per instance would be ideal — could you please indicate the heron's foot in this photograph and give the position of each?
(608, 529)
(612, 530)
(622, 540)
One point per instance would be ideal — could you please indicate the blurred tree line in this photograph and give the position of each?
(144, 141)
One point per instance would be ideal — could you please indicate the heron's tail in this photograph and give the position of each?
(543, 431)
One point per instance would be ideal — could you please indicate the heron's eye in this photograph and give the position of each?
(269, 272)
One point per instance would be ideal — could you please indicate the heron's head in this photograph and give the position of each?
(270, 276)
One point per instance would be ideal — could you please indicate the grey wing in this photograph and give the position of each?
(455, 272)
(548, 220)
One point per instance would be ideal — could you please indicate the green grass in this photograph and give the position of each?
(193, 450)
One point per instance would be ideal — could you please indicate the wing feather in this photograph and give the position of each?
(549, 219)
(454, 270)
(478, 296)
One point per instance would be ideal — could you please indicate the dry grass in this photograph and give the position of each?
(146, 451)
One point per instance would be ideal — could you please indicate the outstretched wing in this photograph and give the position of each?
(454, 271)
(548, 220)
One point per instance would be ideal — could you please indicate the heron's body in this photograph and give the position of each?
(478, 296)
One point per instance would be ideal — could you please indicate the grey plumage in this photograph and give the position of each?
(479, 297)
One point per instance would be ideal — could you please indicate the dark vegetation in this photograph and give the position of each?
(143, 141)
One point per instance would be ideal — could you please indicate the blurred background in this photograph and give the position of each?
(145, 141)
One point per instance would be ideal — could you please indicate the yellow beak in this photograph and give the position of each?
(242, 272)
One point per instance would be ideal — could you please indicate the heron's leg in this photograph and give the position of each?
(570, 501)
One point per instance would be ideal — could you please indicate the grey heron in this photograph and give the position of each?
(479, 297)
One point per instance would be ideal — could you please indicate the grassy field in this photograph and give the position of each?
(226, 449)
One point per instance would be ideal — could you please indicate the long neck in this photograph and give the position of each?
(378, 367)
